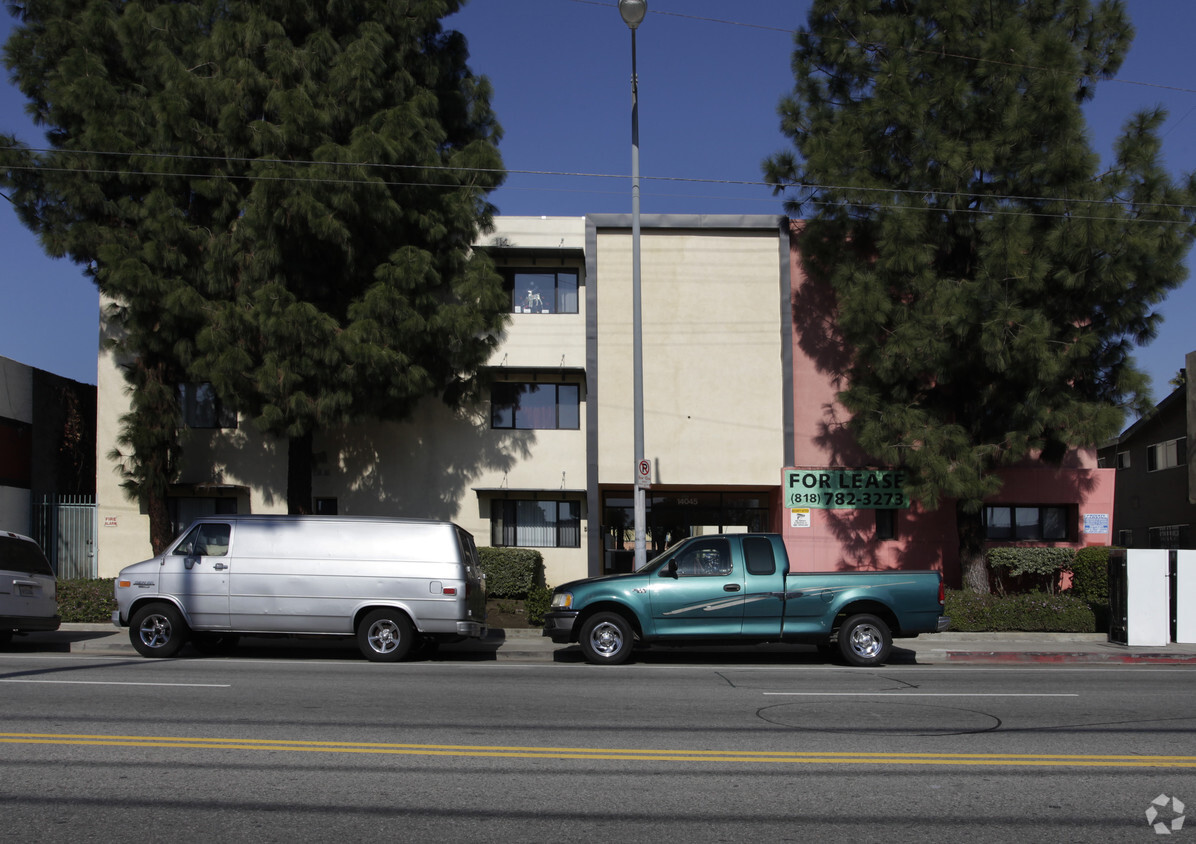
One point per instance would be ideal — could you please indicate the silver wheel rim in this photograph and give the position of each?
(384, 636)
(155, 631)
(606, 639)
(866, 640)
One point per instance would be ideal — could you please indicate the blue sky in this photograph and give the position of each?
(711, 74)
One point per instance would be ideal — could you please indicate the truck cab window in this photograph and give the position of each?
(705, 559)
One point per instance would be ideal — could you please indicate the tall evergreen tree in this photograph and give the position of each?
(990, 279)
(280, 195)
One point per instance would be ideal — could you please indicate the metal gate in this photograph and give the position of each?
(65, 527)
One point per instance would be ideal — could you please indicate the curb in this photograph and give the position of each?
(1152, 658)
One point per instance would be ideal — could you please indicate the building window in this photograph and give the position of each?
(202, 409)
(16, 454)
(535, 524)
(886, 524)
(1015, 523)
(527, 406)
(1167, 455)
(542, 291)
(1123, 460)
(1168, 536)
(1125, 539)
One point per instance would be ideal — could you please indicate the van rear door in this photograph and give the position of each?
(196, 571)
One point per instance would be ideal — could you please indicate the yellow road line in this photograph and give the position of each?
(615, 754)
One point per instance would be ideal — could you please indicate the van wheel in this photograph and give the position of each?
(158, 630)
(385, 635)
(606, 639)
(214, 644)
(864, 641)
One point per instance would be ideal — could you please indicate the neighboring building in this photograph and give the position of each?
(1156, 504)
(741, 368)
(47, 463)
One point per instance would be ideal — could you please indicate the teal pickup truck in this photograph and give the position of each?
(737, 589)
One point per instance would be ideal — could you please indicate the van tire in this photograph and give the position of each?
(385, 635)
(158, 630)
(606, 639)
(864, 641)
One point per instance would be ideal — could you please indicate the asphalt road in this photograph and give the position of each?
(308, 744)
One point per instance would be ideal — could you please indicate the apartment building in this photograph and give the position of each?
(741, 368)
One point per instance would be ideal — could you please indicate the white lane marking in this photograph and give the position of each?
(115, 683)
(916, 694)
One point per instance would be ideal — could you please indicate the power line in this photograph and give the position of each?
(862, 192)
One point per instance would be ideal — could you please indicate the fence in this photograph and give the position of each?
(65, 527)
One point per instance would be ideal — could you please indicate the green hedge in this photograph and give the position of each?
(86, 601)
(1031, 611)
(1023, 569)
(1090, 575)
(511, 572)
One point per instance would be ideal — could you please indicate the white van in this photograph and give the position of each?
(28, 588)
(395, 584)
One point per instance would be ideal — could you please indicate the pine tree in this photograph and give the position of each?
(990, 280)
(280, 195)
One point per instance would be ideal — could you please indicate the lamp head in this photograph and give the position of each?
(633, 12)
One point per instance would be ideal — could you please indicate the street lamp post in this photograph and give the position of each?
(632, 12)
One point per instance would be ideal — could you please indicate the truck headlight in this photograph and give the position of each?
(562, 600)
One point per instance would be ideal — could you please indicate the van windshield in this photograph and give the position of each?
(21, 555)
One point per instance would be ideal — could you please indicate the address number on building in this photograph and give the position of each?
(845, 489)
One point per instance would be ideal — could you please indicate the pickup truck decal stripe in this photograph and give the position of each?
(726, 603)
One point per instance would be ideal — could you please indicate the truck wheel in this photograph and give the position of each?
(385, 635)
(606, 639)
(864, 640)
(158, 630)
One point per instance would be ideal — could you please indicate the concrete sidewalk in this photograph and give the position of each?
(521, 645)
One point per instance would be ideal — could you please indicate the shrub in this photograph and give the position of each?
(86, 601)
(1031, 611)
(511, 572)
(539, 598)
(1090, 581)
(1090, 575)
(1016, 568)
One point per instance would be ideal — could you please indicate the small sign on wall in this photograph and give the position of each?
(1095, 523)
(799, 517)
(110, 521)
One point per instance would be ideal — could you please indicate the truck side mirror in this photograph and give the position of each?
(670, 570)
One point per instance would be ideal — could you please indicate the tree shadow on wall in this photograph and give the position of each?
(422, 468)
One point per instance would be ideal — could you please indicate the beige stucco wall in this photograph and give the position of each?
(430, 466)
(16, 402)
(712, 355)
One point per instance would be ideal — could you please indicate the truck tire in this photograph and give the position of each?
(864, 641)
(606, 639)
(385, 635)
(158, 630)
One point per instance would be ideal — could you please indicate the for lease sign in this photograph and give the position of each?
(845, 489)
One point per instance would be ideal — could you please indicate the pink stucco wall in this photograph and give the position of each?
(839, 540)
